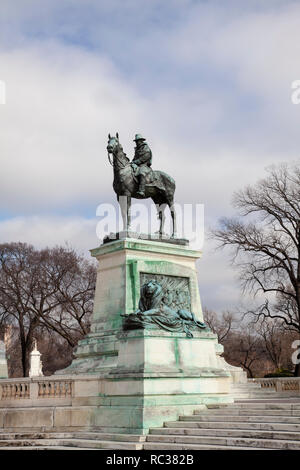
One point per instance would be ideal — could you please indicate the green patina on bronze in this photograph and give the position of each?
(154, 312)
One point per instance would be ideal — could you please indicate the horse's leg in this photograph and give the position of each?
(128, 212)
(173, 215)
(161, 216)
(122, 200)
(160, 222)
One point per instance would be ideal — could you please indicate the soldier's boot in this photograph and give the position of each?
(141, 191)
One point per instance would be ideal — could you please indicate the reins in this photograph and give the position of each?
(121, 165)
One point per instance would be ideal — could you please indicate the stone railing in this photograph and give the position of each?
(15, 389)
(55, 388)
(50, 403)
(10, 391)
(280, 384)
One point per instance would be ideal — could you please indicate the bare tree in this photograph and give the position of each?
(51, 288)
(245, 348)
(221, 325)
(272, 334)
(266, 244)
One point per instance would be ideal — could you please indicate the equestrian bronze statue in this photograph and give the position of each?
(137, 179)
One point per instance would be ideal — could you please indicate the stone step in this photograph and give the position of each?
(109, 436)
(82, 443)
(246, 385)
(270, 396)
(251, 392)
(263, 406)
(241, 418)
(74, 435)
(177, 446)
(45, 448)
(248, 412)
(250, 389)
(240, 394)
(33, 435)
(221, 432)
(235, 425)
(224, 441)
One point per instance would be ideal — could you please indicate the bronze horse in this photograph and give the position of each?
(160, 187)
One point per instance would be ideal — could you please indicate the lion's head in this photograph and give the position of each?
(151, 294)
(151, 288)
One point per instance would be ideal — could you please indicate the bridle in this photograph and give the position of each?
(120, 164)
(109, 159)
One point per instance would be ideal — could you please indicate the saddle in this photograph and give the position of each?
(152, 179)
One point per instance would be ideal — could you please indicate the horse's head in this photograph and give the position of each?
(114, 147)
(113, 143)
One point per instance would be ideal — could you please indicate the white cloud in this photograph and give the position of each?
(41, 231)
(253, 59)
(61, 103)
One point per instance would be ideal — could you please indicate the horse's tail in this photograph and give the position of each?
(169, 185)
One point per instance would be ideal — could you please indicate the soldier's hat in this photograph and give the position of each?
(138, 137)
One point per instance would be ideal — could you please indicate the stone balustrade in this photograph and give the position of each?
(280, 384)
(51, 403)
(55, 388)
(26, 388)
(10, 391)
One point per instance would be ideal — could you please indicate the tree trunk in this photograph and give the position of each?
(23, 345)
(24, 361)
(248, 369)
(26, 343)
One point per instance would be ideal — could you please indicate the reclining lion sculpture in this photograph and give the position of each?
(153, 312)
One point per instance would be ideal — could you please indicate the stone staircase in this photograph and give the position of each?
(245, 425)
(241, 426)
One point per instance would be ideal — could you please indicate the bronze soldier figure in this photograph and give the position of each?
(141, 162)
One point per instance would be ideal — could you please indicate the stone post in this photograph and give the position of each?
(3, 362)
(35, 363)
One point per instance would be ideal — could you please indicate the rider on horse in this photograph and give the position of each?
(141, 162)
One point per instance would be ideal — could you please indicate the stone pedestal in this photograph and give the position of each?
(3, 361)
(123, 265)
(147, 375)
(159, 376)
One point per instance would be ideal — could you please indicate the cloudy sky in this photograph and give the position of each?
(207, 82)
